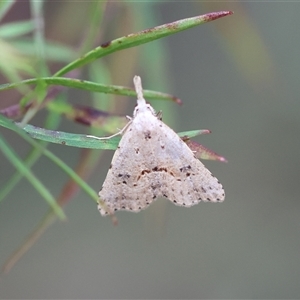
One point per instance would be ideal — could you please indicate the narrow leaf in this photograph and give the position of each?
(189, 134)
(5, 6)
(26, 172)
(202, 152)
(142, 37)
(16, 29)
(85, 187)
(85, 141)
(92, 87)
(53, 50)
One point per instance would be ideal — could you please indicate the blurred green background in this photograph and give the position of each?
(237, 76)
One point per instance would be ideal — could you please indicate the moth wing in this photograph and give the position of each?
(152, 161)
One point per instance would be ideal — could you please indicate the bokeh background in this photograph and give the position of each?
(237, 76)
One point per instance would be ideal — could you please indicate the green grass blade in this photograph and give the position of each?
(21, 167)
(97, 9)
(51, 121)
(38, 35)
(15, 178)
(91, 86)
(54, 51)
(16, 29)
(71, 139)
(139, 38)
(86, 188)
(193, 133)
(5, 6)
(80, 140)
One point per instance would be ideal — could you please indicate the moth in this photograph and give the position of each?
(152, 161)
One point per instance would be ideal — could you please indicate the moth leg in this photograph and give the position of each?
(111, 136)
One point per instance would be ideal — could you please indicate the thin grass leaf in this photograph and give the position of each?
(10, 154)
(12, 63)
(54, 51)
(193, 133)
(38, 36)
(71, 139)
(91, 86)
(54, 92)
(97, 9)
(36, 99)
(85, 187)
(52, 121)
(82, 140)
(202, 152)
(5, 7)
(142, 37)
(16, 29)
(15, 178)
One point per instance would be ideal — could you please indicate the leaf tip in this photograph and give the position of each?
(222, 159)
(177, 100)
(216, 15)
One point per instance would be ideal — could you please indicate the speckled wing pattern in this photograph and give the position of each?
(152, 161)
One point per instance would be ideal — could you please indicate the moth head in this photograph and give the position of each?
(144, 109)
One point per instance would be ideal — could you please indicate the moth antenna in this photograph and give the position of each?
(139, 90)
